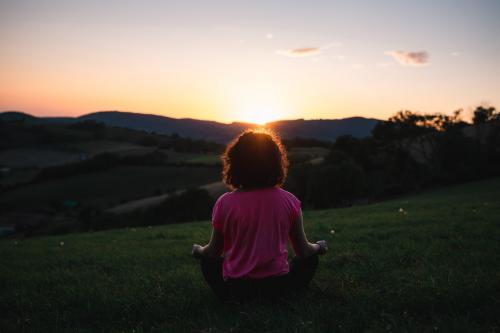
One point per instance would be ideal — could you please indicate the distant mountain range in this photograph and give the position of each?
(321, 129)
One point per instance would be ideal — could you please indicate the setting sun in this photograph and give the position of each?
(258, 105)
(259, 114)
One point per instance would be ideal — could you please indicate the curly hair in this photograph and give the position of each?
(254, 159)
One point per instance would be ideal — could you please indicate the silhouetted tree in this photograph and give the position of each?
(484, 114)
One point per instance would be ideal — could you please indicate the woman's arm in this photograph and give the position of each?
(212, 249)
(300, 244)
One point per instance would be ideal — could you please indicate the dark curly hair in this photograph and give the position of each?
(254, 159)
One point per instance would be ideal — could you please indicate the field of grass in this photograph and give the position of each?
(18, 176)
(110, 186)
(424, 263)
(36, 157)
(92, 148)
(209, 159)
(25, 162)
(303, 154)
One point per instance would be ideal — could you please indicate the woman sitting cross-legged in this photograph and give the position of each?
(247, 254)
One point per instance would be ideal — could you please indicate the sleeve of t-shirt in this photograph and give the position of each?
(295, 207)
(218, 216)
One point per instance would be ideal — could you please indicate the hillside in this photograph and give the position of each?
(327, 130)
(29, 149)
(324, 129)
(421, 263)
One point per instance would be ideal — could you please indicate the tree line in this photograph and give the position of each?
(409, 152)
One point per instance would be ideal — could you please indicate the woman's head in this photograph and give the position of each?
(256, 158)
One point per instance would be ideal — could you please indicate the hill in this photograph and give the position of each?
(320, 129)
(31, 145)
(25, 117)
(324, 129)
(422, 263)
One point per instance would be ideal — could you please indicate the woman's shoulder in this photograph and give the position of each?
(226, 197)
(287, 194)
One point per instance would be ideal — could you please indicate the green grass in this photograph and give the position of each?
(208, 159)
(435, 268)
(18, 176)
(37, 157)
(110, 186)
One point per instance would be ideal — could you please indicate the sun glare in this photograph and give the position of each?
(258, 108)
(259, 115)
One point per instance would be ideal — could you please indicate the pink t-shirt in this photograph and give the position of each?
(255, 225)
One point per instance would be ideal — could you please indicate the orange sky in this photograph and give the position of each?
(231, 60)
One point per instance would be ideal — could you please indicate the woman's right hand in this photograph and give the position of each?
(323, 247)
(197, 251)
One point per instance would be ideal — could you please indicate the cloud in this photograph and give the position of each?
(307, 51)
(410, 58)
(300, 52)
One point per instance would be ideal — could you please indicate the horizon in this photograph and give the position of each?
(256, 63)
(183, 118)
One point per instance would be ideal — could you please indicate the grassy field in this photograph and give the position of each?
(423, 263)
(311, 154)
(110, 186)
(36, 157)
(26, 161)
(209, 159)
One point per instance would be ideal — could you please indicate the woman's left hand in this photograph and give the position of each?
(323, 247)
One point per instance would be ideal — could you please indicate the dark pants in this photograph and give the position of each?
(301, 273)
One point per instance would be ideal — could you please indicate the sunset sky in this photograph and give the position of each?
(249, 60)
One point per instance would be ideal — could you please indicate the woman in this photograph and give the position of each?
(247, 254)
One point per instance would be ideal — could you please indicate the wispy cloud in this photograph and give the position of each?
(406, 58)
(307, 51)
(300, 52)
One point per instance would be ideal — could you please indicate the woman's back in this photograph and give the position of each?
(256, 226)
(247, 252)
